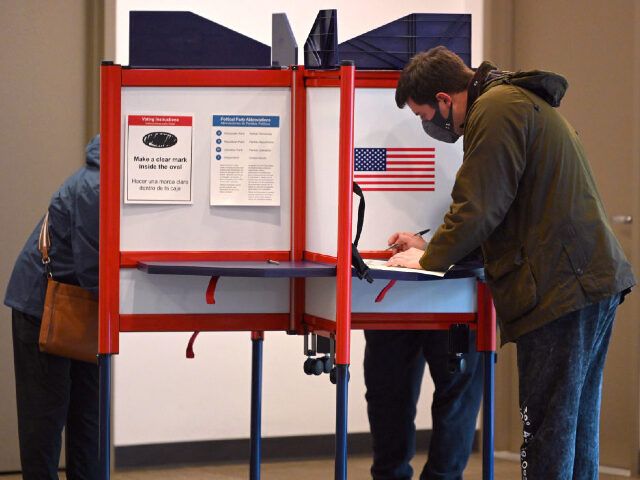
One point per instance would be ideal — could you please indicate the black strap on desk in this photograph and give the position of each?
(362, 270)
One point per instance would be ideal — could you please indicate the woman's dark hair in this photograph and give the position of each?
(430, 72)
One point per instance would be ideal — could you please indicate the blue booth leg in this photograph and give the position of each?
(342, 384)
(256, 407)
(488, 415)
(104, 443)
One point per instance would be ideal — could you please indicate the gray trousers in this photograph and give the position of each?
(560, 367)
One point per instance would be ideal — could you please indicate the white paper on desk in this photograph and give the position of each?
(380, 265)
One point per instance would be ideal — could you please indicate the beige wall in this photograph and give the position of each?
(49, 84)
(596, 46)
(49, 102)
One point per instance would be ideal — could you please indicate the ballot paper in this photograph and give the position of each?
(380, 265)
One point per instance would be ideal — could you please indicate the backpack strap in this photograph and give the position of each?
(362, 270)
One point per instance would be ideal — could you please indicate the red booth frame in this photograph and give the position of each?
(112, 259)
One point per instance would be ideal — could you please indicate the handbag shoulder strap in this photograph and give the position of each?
(44, 243)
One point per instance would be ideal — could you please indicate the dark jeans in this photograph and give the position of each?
(560, 367)
(394, 363)
(53, 393)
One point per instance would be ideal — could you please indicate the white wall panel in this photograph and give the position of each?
(159, 395)
(201, 227)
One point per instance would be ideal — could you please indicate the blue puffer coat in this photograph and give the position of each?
(74, 214)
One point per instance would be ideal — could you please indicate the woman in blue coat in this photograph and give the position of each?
(55, 392)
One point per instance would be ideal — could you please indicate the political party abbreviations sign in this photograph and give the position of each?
(158, 160)
(245, 160)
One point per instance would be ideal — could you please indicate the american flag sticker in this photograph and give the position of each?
(395, 169)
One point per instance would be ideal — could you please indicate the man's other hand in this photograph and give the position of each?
(408, 259)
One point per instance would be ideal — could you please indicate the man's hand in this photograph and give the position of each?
(409, 259)
(403, 241)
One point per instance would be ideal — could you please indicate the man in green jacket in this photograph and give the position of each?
(526, 195)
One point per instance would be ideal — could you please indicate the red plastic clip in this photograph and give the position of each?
(384, 291)
(190, 353)
(211, 289)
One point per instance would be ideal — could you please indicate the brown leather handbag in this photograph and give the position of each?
(70, 317)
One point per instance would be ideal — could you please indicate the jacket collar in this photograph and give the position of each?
(479, 81)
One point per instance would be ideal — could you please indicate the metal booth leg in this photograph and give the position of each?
(104, 408)
(486, 343)
(256, 403)
(488, 415)
(342, 384)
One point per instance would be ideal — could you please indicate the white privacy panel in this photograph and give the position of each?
(144, 293)
(457, 295)
(201, 227)
(323, 113)
(378, 124)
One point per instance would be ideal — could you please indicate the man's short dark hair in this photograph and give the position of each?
(430, 72)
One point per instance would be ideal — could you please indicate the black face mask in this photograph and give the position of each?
(440, 129)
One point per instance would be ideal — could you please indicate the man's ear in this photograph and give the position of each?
(444, 97)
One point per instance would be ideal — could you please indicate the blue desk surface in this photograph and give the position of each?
(304, 269)
(241, 269)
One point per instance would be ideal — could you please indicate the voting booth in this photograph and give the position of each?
(167, 262)
(227, 204)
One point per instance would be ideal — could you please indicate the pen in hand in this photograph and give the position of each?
(417, 234)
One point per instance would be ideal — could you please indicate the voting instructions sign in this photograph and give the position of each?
(159, 159)
(245, 160)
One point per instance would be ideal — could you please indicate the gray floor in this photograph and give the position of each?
(357, 469)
